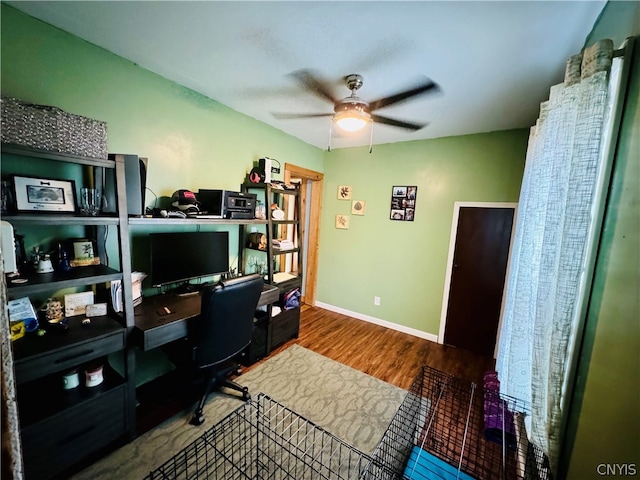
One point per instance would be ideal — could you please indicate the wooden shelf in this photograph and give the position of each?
(38, 356)
(57, 430)
(60, 219)
(76, 277)
(60, 400)
(286, 325)
(193, 221)
(263, 186)
(284, 222)
(57, 156)
(289, 283)
(277, 251)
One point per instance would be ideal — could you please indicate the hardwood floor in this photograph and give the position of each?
(396, 358)
(389, 355)
(386, 354)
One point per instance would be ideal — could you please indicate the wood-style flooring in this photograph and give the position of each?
(389, 355)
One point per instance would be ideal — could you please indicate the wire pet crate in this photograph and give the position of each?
(449, 428)
(264, 440)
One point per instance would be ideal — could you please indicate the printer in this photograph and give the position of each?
(227, 204)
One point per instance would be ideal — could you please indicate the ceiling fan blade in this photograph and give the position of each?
(420, 89)
(317, 85)
(285, 116)
(396, 123)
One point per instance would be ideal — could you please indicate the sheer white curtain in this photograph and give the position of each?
(545, 285)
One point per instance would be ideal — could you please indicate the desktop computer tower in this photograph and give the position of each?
(135, 169)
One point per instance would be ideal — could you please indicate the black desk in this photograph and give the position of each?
(155, 327)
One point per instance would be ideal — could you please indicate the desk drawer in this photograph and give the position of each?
(62, 440)
(270, 294)
(69, 357)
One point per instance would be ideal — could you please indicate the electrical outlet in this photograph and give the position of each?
(376, 301)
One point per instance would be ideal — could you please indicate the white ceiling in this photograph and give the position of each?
(494, 61)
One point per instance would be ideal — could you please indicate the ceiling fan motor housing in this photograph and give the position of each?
(350, 104)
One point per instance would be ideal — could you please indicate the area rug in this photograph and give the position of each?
(352, 405)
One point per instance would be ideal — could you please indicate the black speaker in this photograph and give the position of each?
(264, 166)
(135, 171)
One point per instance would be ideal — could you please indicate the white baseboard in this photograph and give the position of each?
(393, 326)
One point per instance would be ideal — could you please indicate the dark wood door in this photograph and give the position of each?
(477, 278)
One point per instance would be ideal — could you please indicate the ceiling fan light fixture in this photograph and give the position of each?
(352, 120)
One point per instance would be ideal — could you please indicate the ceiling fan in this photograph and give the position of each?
(352, 113)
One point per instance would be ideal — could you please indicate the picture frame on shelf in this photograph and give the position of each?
(34, 194)
(83, 253)
(76, 303)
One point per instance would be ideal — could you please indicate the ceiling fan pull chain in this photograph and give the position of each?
(330, 133)
(371, 138)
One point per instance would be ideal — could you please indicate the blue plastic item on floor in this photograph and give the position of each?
(422, 466)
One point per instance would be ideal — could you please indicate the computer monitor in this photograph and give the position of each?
(182, 256)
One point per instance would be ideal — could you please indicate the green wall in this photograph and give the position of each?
(191, 141)
(604, 425)
(194, 142)
(404, 263)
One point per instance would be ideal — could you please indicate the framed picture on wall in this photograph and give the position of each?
(342, 222)
(358, 207)
(403, 203)
(344, 192)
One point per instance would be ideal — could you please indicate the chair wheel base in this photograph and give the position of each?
(197, 419)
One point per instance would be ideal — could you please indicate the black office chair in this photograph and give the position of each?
(223, 332)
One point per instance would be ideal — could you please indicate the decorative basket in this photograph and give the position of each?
(50, 128)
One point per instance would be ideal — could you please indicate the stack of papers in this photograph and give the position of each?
(282, 244)
(282, 277)
(116, 291)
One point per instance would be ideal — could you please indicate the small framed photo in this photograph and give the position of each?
(34, 194)
(344, 192)
(76, 303)
(403, 202)
(342, 221)
(358, 207)
(83, 253)
(399, 192)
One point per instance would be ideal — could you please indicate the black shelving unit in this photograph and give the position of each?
(62, 427)
(280, 267)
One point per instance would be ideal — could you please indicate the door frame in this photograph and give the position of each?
(309, 228)
(452, 247)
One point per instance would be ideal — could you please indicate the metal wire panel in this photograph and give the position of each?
(263, 440)
(442, 415)
(445, 416)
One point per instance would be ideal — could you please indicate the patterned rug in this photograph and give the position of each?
(349, 404)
